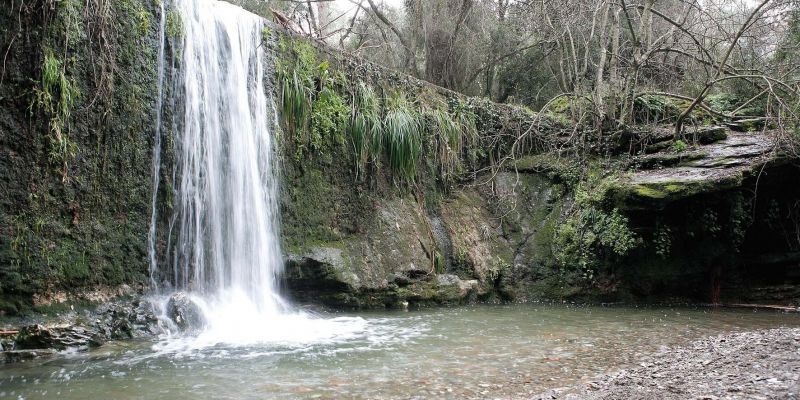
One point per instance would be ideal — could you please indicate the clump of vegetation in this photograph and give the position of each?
(679, 146)
(56, 96)
(453, 134)
(174, 24)
(366, 127)
(296, 95)
(401, 136)
(662, 240)
(329, 115)
(592, 233)
(143, 20)
(651, 108)
(266, 33)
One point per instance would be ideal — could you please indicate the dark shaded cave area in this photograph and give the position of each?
(730, 246)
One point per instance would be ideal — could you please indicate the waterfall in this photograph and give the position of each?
(227, 189)
(151, 234)
(223, 243)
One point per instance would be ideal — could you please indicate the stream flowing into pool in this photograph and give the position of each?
(463, 352)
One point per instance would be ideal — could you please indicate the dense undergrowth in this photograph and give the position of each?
(382, 123)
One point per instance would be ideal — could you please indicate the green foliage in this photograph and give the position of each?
(499, 268)
(439, 263)
(679, 146)
(570, 109)
(741, 217)
(453, 135)
(722, 102)
(402, 140)
(592, 234)
(174, 24)
(365, 127)
(296, 92)
(56, 96)
(309, 116)
(649, 109)
(662, 240)
(329, 115)
(143, 20)
(266, 33)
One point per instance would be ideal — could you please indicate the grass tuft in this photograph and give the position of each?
(366, 128)
(401, 136)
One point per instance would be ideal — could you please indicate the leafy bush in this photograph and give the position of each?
(590, 234)
(679, 146)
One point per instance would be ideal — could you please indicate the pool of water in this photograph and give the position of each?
(467, 352)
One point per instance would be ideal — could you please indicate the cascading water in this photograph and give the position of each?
(227, 189)
(226, 250)
(151, 234)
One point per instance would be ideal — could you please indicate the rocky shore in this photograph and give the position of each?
(78, 331)
(747, 365)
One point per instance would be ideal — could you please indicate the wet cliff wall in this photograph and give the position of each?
(395, 192)
(519, 210)
(77, 95)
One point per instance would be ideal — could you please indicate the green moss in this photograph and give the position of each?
(309, 211)
(266, 33)
(143, 21)
(329, 117)
(174, 24)
(650, 192)
(56, 95)
(659, 191)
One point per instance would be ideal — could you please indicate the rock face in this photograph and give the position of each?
(185, 313)
(74, 213)
(56, 337)
(454, 254)
(126, 320)
(122, 319)
(710, 224)
(722, 165)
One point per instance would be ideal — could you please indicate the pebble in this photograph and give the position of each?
(745, 365)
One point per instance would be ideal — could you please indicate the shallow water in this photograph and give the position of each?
(466, 352)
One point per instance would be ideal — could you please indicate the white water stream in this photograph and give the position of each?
(226, 251)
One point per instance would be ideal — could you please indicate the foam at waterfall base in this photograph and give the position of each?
(232, 319)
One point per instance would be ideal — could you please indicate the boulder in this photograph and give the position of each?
(711, 134)
(748, 124)
(320, 275)
(61, 337)
(185, 313)
(453, 289)
(126, 320)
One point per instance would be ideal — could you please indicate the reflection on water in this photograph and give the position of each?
(467, 352)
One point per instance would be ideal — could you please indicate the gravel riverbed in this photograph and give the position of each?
(762, 364)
